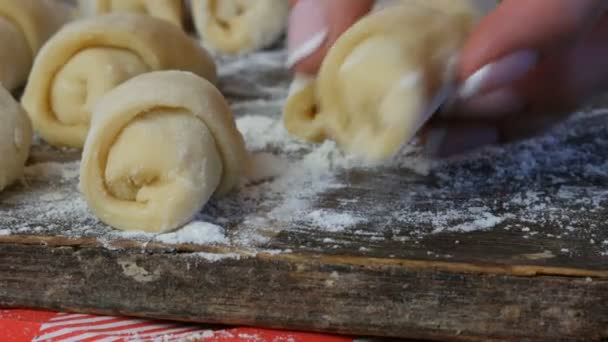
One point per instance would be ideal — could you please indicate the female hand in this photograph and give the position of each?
(525, 68)
(315, 25)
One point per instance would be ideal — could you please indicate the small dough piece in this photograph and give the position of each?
(89, 57)
(15, 139)
(169, 10)
(160, 146)
(25, 25)
(383, 79)
(239, 26)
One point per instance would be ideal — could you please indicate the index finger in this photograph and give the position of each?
(538, 25)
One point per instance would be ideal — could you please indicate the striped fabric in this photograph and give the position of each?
(77, 327)
(38, 326)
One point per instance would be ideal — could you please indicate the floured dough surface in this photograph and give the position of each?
(175, 139)
(160, 146)
(383, 78)
(169, 10)
(88, 58)
(71, 100)
(239, 26)
(15, 139)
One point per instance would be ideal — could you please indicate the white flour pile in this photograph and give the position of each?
(197, 232)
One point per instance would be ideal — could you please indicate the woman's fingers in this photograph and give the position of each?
(515, 37)
(532, 106)
(564, 81)
(315, 25)
(559, 83)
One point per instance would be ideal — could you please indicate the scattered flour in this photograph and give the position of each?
(333, 221)
(201, 233)
(486, 221)
(215, 257)
(53, 170)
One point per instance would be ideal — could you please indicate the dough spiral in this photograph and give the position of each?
(89, 57)
(25, 25)
(383, 78)
(169, 10)
(15, 139)
(239, 26)
(160, 146)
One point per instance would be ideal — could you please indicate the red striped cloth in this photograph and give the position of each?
(41, 326)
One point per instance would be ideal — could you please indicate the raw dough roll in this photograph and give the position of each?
(160, 145)
(89, 57)
(169, 10)
(24, 27)
(15, 139)
(239, 26)
(383, 78)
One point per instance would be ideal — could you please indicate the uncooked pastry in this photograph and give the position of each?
(239, 26)
(169, 10)
(160, 146)
(24, 27)
(383, 78)
(15, 139)
(89, 57)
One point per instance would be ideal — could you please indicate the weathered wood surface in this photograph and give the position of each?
(511, 243)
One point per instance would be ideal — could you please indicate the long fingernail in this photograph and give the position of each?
(444, 143)
(494, 104)
(308, 30)
(500, 73)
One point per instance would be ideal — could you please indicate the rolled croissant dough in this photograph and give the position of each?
(25, 25)
(169, 10)
(160, 146)
(89, 57)
(15, 139)
(383, 78)
(239, 26)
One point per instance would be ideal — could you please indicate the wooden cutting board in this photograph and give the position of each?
(509, 243)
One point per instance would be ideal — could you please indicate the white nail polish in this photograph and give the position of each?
(500, 73)
(300, 81)
(307, 48)
(435, 139)
(475, 82)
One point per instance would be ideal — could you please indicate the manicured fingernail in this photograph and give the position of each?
(300, 81)
(308, 30)
(444, 143)
(494, 104)
(500, 73)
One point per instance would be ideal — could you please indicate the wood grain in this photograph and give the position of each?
(304, 292)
